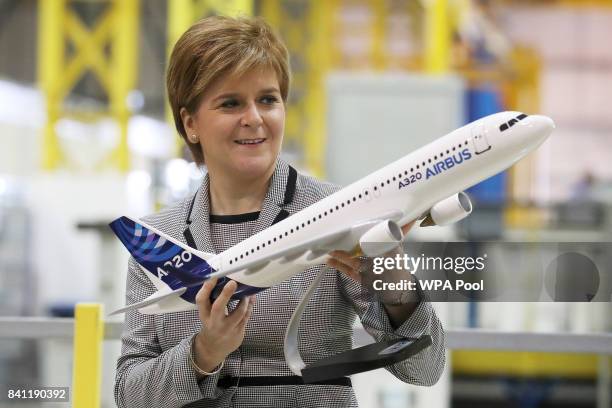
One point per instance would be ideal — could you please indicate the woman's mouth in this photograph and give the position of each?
(250, 141)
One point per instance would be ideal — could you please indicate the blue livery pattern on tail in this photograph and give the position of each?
(174, 264)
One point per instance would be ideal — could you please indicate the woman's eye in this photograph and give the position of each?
(230, 103)
(269, 99)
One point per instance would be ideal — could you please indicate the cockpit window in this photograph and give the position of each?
(506, 126)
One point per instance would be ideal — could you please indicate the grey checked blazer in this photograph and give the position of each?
(154, 370)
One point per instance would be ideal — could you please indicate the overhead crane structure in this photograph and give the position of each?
(107, 49)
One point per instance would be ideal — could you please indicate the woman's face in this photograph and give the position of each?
(240, 124)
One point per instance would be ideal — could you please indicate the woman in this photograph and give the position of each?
(228, 82)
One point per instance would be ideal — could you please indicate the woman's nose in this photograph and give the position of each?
(251, 116)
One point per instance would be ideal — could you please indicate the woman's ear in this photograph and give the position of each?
(188, 121)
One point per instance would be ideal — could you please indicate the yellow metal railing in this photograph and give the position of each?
(87, 368)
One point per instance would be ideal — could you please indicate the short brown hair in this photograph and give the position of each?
(217, 46)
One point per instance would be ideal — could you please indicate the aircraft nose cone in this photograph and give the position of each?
(543, 125)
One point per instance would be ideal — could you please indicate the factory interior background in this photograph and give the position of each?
(85, 137)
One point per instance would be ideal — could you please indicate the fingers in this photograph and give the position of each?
(242, 312)
(407, 227)
(249, 312)
(220, 303)
(203, 297)
(344, 258)
(346, 264)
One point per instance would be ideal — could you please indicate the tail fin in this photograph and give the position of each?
(176, 264)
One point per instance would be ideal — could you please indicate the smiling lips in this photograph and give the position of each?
(250, 141)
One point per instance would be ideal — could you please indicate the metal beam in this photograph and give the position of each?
(437, 37)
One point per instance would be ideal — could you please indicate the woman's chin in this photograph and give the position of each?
(254, 167)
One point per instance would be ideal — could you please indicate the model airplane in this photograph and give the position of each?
(427, 184)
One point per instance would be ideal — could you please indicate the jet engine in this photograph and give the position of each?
(381, 238)
(448, 211)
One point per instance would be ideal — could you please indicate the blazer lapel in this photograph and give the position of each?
(197, 231)
(280, 193)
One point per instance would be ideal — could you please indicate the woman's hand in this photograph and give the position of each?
(221, 333)
(397, 312)
(349, 264)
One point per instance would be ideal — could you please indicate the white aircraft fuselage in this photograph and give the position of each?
(405, 188)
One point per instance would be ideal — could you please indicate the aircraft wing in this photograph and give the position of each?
(344, 237)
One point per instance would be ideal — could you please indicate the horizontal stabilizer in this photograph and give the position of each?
(159, 296)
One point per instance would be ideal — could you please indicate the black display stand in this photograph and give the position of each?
(364, 358)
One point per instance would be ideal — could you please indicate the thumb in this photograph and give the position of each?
(407, 227)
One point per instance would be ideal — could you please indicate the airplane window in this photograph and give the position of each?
(503, 127)
(521, 116)
(411, 169)
(512, 122)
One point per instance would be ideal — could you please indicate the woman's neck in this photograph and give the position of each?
(229, 196)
